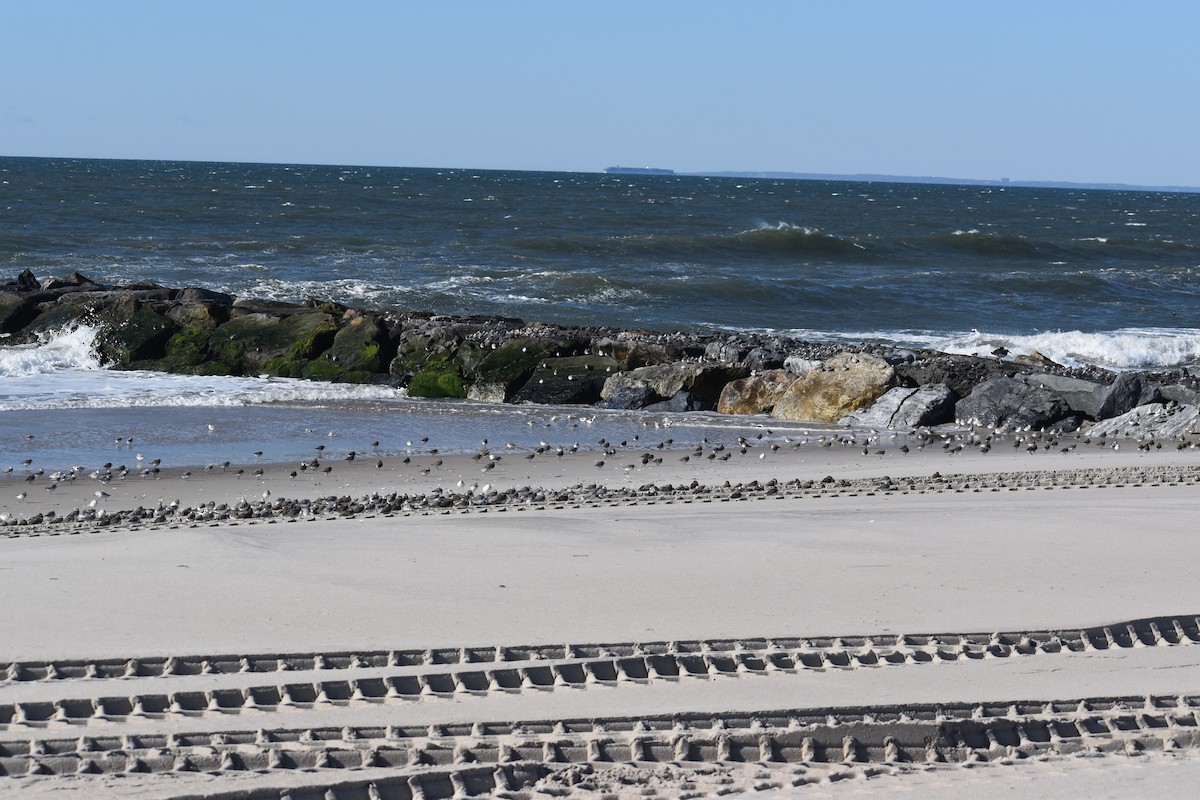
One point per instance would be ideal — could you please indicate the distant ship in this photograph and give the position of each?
(639, 171)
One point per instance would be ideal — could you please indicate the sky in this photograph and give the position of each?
(1100, 92)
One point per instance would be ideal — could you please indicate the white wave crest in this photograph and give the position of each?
(69, 348)
(1120, 350)
(1123, 349)
(63, 370)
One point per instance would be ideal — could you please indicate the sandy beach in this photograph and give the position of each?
(803, 620)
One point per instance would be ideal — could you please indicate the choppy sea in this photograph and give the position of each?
(1084, 276)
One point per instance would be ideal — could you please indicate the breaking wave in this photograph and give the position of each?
(63, 370)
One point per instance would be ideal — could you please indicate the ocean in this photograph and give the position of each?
(1084, 276)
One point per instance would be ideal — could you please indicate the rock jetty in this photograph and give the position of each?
(507, 360)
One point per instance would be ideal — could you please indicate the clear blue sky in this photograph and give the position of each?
(1075, 91)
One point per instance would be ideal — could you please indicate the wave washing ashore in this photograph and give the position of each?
(234, 586)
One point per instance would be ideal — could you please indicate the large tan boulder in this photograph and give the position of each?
(843, 384)
(756, 394)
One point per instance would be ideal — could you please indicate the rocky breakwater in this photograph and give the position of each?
(506, 360)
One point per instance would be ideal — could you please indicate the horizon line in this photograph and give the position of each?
(858, 177)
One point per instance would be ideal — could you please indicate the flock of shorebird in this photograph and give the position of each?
(632, 452)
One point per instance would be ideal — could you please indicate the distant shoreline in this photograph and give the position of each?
(941, 181)
(665, 172)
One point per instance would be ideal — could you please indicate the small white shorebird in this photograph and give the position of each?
(21, 497)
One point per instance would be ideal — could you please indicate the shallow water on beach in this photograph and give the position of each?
(182, 437)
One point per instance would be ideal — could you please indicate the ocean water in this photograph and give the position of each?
(1084, 276)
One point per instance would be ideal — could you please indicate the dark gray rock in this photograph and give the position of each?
(960, 373)
(573, 380)
(1083, 396)
(726, 351)
(1178, 393)
(195, 295)
(27, 282)
(760, 359)
(629, 398)
(681, 401)
(1010, 403)
(1122, 396)
(705, 381)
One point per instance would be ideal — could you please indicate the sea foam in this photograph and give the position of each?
(1120, 350)
(1123, 349)
(64, 370)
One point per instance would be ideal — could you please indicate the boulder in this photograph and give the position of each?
(131, 332)
(418, 344)
(73, 281)
(756, 394)
(1010, 402)
(360, 351)
(960, 373)
(1035, 359)
(206, 296)
(799, 365)
(679, 403)
(843, 384)
(1153, 420)
(636, 351)
(903, 408)
(704, 381)
(629, 398)
(441, 377)
(726, 351)
(257, 342)
(27, 282)
(1178, 393)
(1082, 396)
(509, 365)
(16, 311)
(1123, 395)
(760, 359)
(572, 380)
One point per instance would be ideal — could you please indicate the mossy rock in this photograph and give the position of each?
(251, 342)
(320, 370)
(213, 368)
(511, 364)
(360, 349)
(439, 378)
(188, 348)
(415, 349)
